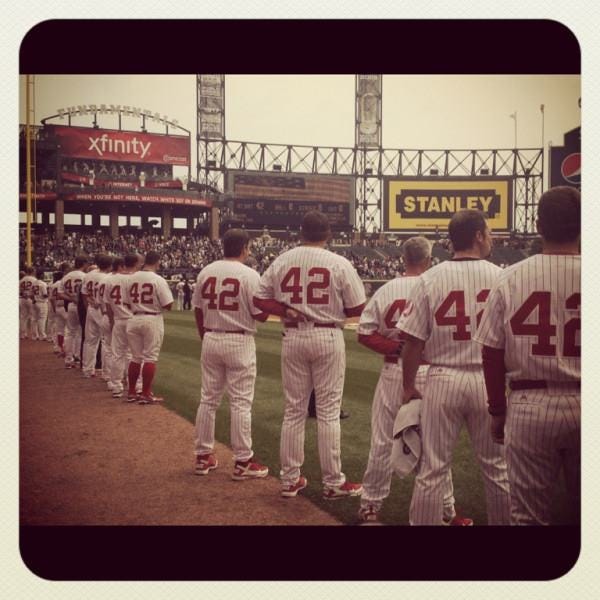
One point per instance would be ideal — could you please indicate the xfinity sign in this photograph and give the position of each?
(133, 146)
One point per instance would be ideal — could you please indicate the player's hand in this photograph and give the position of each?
(497, 428)
(294, 315)
(412, 394)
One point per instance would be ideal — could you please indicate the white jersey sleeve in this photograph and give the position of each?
(163, 292)
(491, 328)
(416, 317)
(351, 286)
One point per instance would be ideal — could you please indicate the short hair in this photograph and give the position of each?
(117, 263)
(57, 276)
(131, 259)
(81, 260)
(315, 226)
(234, 242)
(21, 274)
(559, 214)
(152, 258)
(39, 274)
(103, 261)
(64, 267)
(463, 228)
(29, 270)
(415, 250)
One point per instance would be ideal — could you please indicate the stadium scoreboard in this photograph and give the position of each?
(280, 200)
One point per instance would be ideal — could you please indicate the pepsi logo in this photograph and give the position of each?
(570, 169)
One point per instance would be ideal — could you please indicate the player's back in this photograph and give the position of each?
(224, 292)
(447, 303)
(147, 292)
(314, 281)
(71, 283)
(542, 323)
(386, 306)
(114, 294)
(26, 286)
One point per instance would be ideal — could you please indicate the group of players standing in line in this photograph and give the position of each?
(454, 338)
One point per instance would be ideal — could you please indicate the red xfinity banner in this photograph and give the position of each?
(130, 146)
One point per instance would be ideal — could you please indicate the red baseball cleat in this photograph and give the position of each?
(205, 463)
(290, 491)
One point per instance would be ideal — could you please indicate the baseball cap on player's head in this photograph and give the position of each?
(463, 228)
(416, 250)
(315, 227)
(117, 263)
(103, 261)
(81, 261)
(132, 260)
(234, 242)
(152, 258)
(559, 215)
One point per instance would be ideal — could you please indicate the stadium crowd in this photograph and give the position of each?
(189, 254)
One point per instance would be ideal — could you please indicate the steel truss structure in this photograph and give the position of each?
(369, 167)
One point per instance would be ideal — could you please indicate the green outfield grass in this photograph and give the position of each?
(178, 379)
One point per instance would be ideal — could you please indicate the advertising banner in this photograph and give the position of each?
(565, 161)
(427, 203)
(135, 197)
(115, 145)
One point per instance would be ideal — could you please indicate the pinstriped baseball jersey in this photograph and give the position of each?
(533, 312)
(147, 292)
(70, 284)
(385, 308)
(26, 286)
(90, 286)
(444, 308)
(40, 291)
(314, 281)
(114, 295)
(224, 293)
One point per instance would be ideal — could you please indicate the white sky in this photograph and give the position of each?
(419, 111)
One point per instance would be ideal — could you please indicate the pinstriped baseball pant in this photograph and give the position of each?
(542, 435)
(312, 359)
(452, 398)
(228, 364)
(386, 404)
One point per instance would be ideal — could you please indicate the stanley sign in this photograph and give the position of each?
(422, 204)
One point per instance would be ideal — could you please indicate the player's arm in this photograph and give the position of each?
(368, 334)
(412, 352)
(199, 315)
(264, 297)
(353, 291)
(490, 333)
(251, 289)
(165, 297)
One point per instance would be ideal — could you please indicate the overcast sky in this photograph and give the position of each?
(426, 111)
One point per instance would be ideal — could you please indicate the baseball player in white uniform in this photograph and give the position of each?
(377, 331)
(40, 307)
(148, 295)
(226, 321)
(60, 314)
(26, 303)
(119, 313)
(530, 331)
(179, 291)
(56, 326)
(94, 328)
(68, 290)
(313, 290)
(440, 319)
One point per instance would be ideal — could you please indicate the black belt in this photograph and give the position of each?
(240, 331)
(541, 384)
(294, 325)
(145, 313)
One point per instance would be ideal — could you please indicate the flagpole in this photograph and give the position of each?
(515, 128)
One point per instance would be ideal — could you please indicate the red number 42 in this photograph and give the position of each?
(544, 330)
(320, 281)
(459, 319)
(208, 292)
